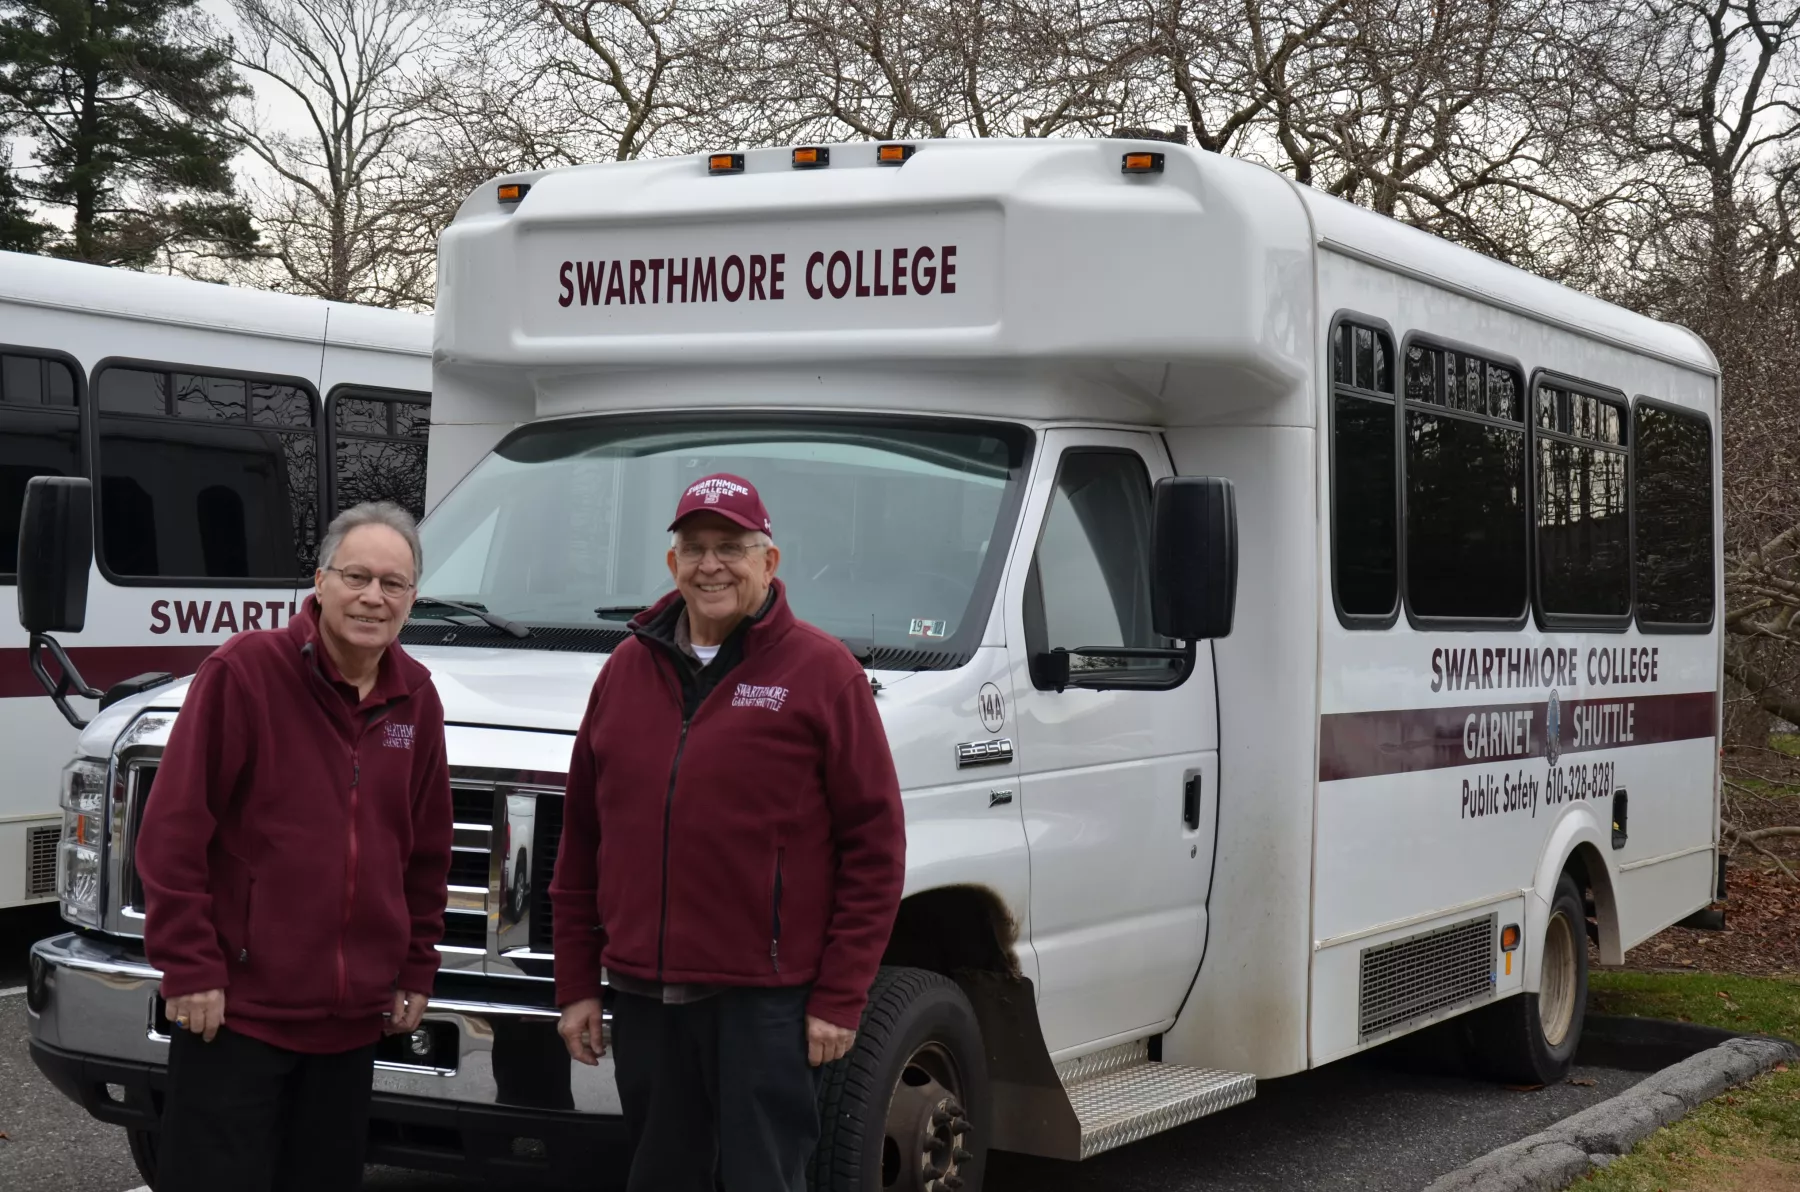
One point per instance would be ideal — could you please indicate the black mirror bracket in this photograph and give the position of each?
(68, 682)
(1056, 672)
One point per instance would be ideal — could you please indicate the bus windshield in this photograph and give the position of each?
(891, 532)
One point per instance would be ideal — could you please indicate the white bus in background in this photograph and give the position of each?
(221, 427)
(1292, 631)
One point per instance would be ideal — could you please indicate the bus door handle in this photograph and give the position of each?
(1190, 802)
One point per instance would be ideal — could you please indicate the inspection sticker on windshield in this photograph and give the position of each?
(923, 628)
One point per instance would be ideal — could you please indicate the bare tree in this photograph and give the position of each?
(885, 69)
(334, 189)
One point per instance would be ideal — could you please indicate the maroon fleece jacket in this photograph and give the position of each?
(760, 843)
(296, 840)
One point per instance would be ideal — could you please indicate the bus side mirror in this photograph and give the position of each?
(1194, 557)
(56, 550)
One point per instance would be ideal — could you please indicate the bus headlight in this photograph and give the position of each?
(78, 873)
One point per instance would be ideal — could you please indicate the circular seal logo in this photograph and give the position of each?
(992, 706)
(1552, 729)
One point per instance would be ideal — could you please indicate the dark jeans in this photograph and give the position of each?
(717, 1089)
(243, 1116)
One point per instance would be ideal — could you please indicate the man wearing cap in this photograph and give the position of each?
(733, 851)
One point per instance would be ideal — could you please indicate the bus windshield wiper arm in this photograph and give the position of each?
(494, 619)
(620, 612)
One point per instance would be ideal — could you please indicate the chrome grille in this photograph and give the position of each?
(40, 860)
(139, 780)
(471, 862)
(1409, 980)
(543, 853)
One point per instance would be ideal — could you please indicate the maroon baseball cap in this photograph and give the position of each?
(731, 497)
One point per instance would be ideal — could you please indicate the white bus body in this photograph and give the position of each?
(1455, 675)
(203, 514)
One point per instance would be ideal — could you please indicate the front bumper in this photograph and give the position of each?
(509, 1104)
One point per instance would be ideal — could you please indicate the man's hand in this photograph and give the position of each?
(408, 1012)
(200, 1013)
(580, 1031)
(826, 1041)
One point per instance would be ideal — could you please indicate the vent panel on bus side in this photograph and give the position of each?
(1407, 981)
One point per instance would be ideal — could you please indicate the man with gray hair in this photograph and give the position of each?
(294, 853)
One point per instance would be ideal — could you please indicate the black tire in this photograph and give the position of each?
(918, 1039)
(1511, 1040)
(143, 1153)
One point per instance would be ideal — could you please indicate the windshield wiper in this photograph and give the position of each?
(472, 610)
(620, 612)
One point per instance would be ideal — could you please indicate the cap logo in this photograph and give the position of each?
(715, 488)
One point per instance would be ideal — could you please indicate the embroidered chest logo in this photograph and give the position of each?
(749, 696)
(398, 736)
(716, 488)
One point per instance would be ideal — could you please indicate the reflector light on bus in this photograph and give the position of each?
(725, 163)
(811, 158)
(512, 192)
(1509, 938)
(1142, 163)
(893, 155)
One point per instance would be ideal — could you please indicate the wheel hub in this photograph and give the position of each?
(926, 1146)
(1556, 986)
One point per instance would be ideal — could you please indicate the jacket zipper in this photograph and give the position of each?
(775, 939)
(662, 923)
(343, 968)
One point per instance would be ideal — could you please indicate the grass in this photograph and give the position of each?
(1745, 1141)
(1763, 1005)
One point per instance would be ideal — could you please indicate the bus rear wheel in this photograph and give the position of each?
(1531, 1038)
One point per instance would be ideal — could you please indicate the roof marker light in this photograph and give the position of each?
(725, 163)
(512, 192)
(1142, 163)
(893, 154)
(812, 158)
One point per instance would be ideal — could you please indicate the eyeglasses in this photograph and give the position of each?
(356, 579)
(725, 552)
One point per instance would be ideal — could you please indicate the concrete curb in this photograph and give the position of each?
(1552, 1160)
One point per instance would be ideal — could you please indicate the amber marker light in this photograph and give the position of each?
(1509, 937)
(812, 158)
(725, 163)
(1142, 163)
(512, 192)
(893, 155)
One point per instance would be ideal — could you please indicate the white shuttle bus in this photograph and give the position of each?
(219, 426)
(1292, 630)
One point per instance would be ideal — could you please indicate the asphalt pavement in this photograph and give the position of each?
(1365, 1124)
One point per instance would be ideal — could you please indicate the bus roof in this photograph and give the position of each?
(1204, 268)
(147, 297)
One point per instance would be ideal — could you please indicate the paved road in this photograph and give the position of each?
(1363, 1125)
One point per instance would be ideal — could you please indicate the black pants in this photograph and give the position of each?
(243, 1116)
(717, 1089)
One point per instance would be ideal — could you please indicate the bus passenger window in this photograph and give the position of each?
(1365, 542)
(1578, 502)
(378, 447)
(1672, 493)
(1464, 461)
(40, 435)
(206, 476)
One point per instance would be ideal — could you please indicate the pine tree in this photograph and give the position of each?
(128, 111)
(18, 231)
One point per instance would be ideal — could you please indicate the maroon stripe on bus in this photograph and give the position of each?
(101, 666)
(1366, 744)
